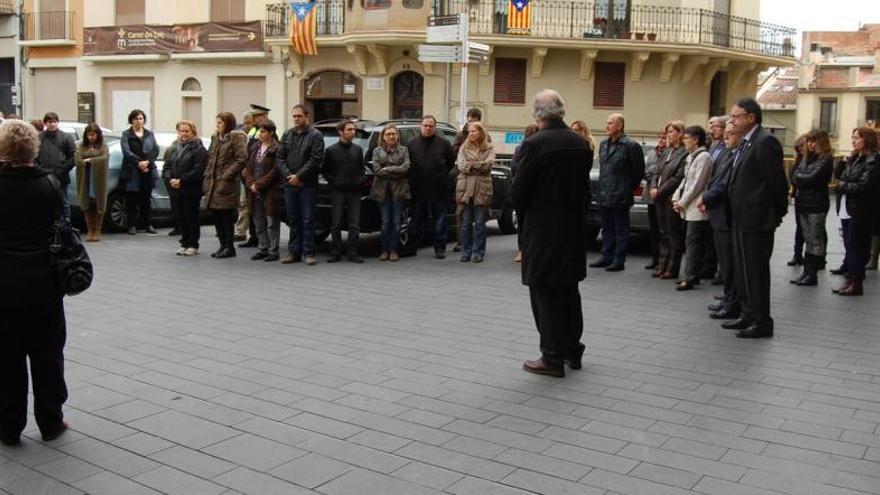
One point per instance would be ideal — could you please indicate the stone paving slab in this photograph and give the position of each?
(203, 376)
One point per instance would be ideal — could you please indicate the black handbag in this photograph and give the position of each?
(70, 261)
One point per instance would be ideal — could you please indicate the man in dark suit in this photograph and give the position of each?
(551, 190)
(714, 202)
(757, 201)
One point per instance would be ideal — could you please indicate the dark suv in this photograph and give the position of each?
(367, 137)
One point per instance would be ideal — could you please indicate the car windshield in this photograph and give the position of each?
(331, 136)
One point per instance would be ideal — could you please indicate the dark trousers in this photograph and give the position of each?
(37, 334)
(856, 240)
(342, 202)
(798, 233)
(615, 234)
(437, 211)
(137, 207)
(559, 318)
(187, 217)
(724, 252)
(653, 233)
(697, 231)
(752, 251)
(671, 237)
(710, 260)
(224, 224)
(300, 205)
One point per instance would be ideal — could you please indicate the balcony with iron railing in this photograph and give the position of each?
(47, 29)
(7, 7)
(584, 20)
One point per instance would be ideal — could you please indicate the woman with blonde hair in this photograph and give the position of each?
(184, 169)
(580, 127)
(390, 188)
(91, 179)
(473, 191)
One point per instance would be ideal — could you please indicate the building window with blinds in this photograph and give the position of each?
(608, 85)
(510, 81)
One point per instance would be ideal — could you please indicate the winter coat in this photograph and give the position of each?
(621, 170)
(391, 169)
(858, 182)
(652, 164)
(474, 180)
(134, 150)
(715, 195)
(29, 205)
(264, 174)
(56, 154)
(431, 160)
(811, 178)
(343, 167)
(551, 191)
(227, 157)
(670, 173)
(301, 153)
(697, 172)
(187, 163)
(95, 181)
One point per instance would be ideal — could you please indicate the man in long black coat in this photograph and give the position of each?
(758, 199)
(551, 190)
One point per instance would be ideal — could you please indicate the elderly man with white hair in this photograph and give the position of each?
(551, 191)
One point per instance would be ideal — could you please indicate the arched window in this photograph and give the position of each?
(191, 84)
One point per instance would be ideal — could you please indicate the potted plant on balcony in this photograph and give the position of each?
(652, 36)
(640, 36)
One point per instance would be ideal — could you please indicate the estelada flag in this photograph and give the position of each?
(304, 27)
(519, 17)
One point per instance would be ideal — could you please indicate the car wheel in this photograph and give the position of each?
(117, 216)
(508, 221)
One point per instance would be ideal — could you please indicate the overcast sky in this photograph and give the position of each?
(820, 15)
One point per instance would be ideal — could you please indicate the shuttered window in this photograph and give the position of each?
(608, 85)
(510, 80)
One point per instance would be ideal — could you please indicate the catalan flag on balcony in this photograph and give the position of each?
(304, 27)
(519, 17)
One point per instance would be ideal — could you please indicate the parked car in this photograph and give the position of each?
(116, 218)
(638, 214)
(367, 137)
(76, 130)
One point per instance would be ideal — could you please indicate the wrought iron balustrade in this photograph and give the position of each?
(330, 18)
(47, 26)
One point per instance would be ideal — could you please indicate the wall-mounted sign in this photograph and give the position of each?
(513, 137)
(375, 84)
(85, 107)
(183, 38)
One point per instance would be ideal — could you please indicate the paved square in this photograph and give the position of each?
(202, 376)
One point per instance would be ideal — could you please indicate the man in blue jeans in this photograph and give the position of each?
(300, 156)
(621, 170)
(56, 155)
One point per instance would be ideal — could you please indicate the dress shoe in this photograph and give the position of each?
(686, 285)
(477, 259)
(737, 324)
(756, 332)
(808, 280)
(353, 258)
(652, 265)
(226, 253)
(838, 271)
(215, 253)
(311, 260)
(573, 360)
(465, 259)
(541, 367)
(600, 264)
(615, 268)
(667, 276)
(173, 232)
(290, 259)
(50, 435)
(151, 230)
(191, 251)
(715, 307)
(383, 256)
(854, 289)
(797, 280)
(334, 259)
(845, 286)
(239, 237)
(724, 314)
(259, 255)
(10, 441)
(270, 258)
(441, 254)
(132, 231)
(250, 243)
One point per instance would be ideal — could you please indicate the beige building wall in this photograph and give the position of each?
(850, 114)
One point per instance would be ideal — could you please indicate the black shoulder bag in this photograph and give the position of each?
(68, 257)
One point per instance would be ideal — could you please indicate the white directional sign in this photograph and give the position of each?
(444, 34)
(478, 52)
(440, 53)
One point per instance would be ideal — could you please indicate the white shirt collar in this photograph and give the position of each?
(748, 137)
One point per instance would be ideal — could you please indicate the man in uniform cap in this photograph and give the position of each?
(245, 223)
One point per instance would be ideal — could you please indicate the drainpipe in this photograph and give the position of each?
(19, 59)
(446, 91)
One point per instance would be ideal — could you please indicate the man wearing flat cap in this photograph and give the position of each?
(245, 222)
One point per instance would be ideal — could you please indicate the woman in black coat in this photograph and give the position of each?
(32, 323)
(856, 185)
(138, 172)
(670, 173)
(184, 168)
(810, 179)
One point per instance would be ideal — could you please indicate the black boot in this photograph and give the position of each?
(796, 260)
(811, 267)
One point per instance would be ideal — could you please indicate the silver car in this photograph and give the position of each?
(638, 214)
(116, 218)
